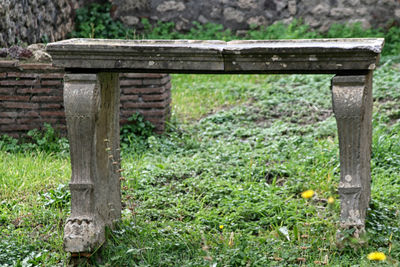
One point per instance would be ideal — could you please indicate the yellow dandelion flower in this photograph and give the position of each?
(221, 227)
(376, 256)
(331, 200)
(307, 194)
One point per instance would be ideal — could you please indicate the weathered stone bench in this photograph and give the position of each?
(91, 97)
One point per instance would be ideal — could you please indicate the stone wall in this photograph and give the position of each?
(31, 95)
(33, 21)
(240, 14)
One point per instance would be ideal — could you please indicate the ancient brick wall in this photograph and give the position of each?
(31, 95)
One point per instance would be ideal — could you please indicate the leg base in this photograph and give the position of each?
(83, 234)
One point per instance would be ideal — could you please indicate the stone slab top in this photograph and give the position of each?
(212, 56)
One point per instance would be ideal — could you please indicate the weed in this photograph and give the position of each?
(95, 21)
(59, 197)
(135, 133)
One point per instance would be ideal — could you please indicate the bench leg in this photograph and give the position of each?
(352, 105)
(92, 110)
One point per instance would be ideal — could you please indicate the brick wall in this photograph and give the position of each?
(31, 95)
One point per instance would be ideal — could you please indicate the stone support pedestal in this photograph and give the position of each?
(352, 105)
(92, 111)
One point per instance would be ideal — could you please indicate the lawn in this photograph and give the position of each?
(222, 186)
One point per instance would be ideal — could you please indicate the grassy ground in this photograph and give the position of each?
(222, 187)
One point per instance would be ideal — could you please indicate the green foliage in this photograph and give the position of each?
(59, 197)
(295, 30)
(95, 21)
(47, 140)
(208, 31)
(242, 164)
(9, 144)
(238, 153)
(392, 41)
(134, 134)
(13, 254)
(351, 31)
(166, 30)
(162, 30)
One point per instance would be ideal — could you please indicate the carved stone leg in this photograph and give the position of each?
(92, 110)
(352, 105)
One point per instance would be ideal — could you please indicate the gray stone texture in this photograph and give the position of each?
(289, 56)
(240, 14)
(91, 108)
(352, 105)
(33, 21)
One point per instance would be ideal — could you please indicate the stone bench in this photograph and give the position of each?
(91, 97)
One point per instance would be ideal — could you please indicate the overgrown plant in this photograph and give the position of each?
(47, 140)
(135, 133)
(95, 21)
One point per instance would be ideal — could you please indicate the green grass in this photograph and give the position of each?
(222, 186)
(30, 173)
(238, 161)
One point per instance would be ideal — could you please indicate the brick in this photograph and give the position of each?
(157, 81)
(46, 98)
(135, 91)
(7, 90)
(60, 127)
(160, 104)
(156, 97)
(19, 105)
(7, 114)
(39, 90)
(38, 66)
(144, 112)
(143, 75)
(51, 106)
(25, 120)
(123, 121)
(52, 82)
(52, 75)
(153, 112)
(8, 63)
(129, 82)
(15, 127)
(6, 121)
(22, 75)
(19, 82)
(30, 114)
(52, 114)
(14, 135)
(38, 121)
(14, 97)
(129, 97)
